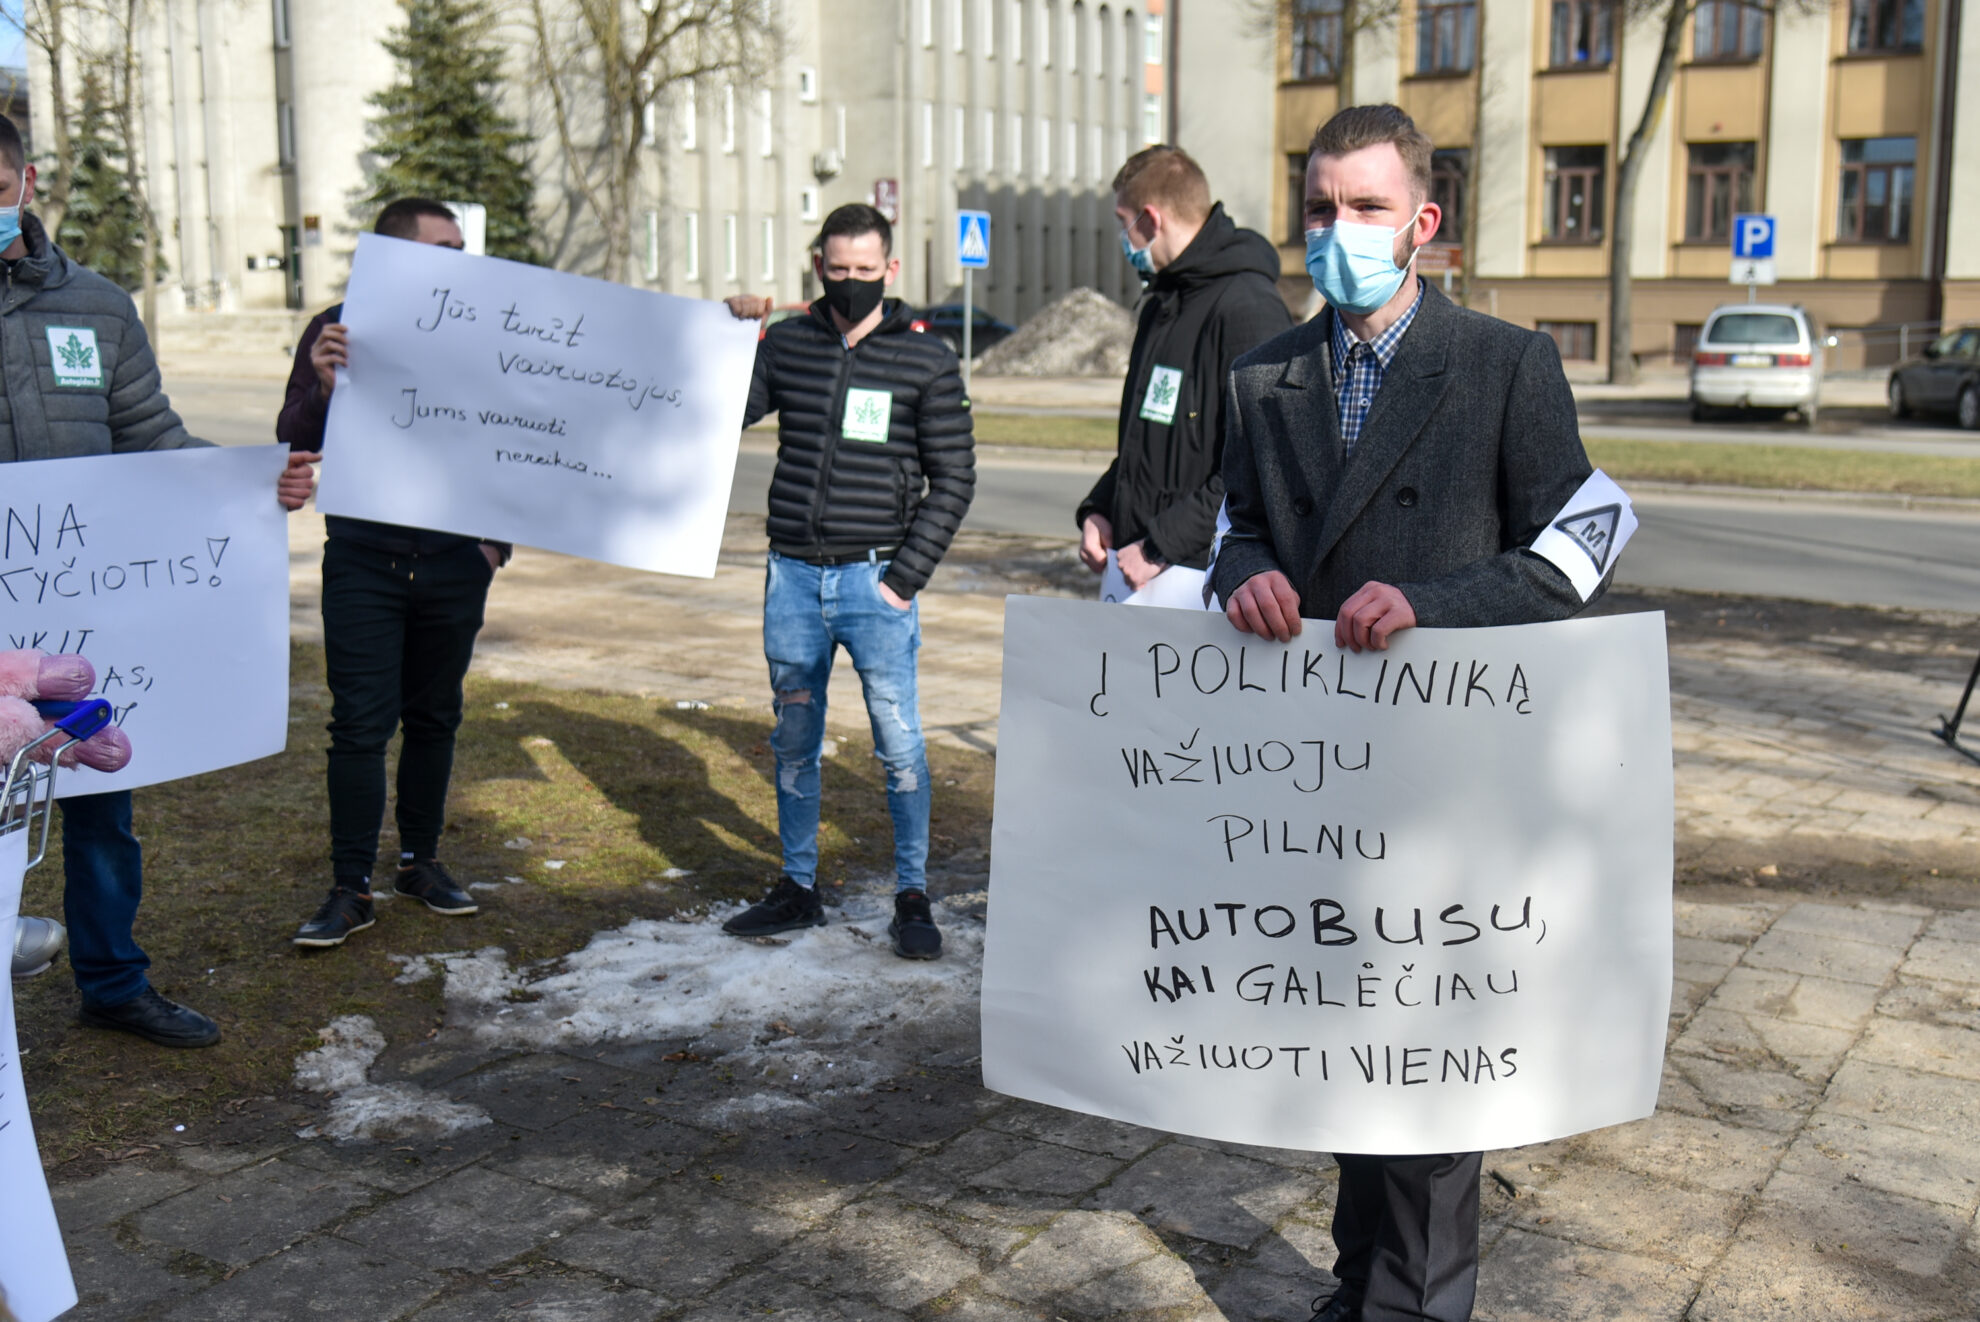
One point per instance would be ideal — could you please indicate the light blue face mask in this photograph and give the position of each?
(1138, 258)
(10, 226)
(1354, 266)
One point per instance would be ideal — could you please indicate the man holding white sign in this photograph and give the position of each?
(1398, 462)
(401, 608)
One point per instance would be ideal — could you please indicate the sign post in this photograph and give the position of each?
(1752, 252)
(972, 252)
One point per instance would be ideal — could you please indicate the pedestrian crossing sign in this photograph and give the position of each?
(973, 238)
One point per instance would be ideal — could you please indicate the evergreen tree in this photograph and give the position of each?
(103, 226)
(439, 131)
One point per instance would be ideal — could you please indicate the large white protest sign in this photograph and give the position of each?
(169, 570)
(34, 1271)
(500, 400)
(1408, 901)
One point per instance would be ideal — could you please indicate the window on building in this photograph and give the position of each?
(690, 126)
(807, 84)
(1878, 179)
(652, 245)
(1718, 187)
(729, 246)
(1151, 117)
(1316, 40)
(728, 117)
(807, 204)
(281, 15)
(1728, 30)
(1886, 25)
(989, 143)
(1098, 168)
(1575, 339)
(924, 20)
(1447, 174)
(1014, 32)
(927, 133)
(1072, 151)
(1017, 144)
(1295, 231)
(1043, 28)
(691, 248)
(986, 11)
(1128, 61)
(1151, 41)
(1571, 206)
(1103, 61)
(1446, 36)
(1684, 340)
(1583, 33)
(958, 150)
(1044, 148)
(766, 104)
(1075, 28)
(285, 132)
(766, 239)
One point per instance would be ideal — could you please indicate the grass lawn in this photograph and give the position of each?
(620, 789)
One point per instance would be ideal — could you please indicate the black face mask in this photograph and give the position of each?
(853, 299)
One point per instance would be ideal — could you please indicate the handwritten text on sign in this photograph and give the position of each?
(169, 570)
(34, 1272)
(500, 400)
(1413, 901)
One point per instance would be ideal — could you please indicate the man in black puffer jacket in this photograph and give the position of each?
(1212, 296)
(875, 470)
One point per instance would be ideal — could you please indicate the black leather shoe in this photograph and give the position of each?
(428, 882)
(154, 1019)
(343, 912)
(913, 929)
(1337, 1307)
(786, 907)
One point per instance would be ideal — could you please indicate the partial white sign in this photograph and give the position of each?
(1401, 902)
(1589, 532)
(34, 1270)
(501, 400)
(169, 570)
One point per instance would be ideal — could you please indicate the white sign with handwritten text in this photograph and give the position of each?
(169, 570)
(34, 1271)
(514, 402)
(1397, 902)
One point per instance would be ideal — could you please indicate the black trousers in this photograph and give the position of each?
(398, 633)
(1407, 1232)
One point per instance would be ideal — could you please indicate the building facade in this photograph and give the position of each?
(1855, 124)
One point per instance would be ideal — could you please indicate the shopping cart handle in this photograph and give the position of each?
(78, 720)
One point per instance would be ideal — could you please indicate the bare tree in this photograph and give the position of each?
(1672, 15)
(605, 65)
(129, 85)
(50, 26)
(1275, 19)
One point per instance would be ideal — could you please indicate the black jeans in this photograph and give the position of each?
(398, 633)
(1407, 1231)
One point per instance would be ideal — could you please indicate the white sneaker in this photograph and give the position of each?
(36, 943)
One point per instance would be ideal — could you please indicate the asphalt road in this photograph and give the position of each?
(1830, 550)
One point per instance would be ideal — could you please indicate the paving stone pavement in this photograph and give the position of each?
(1815, 1154)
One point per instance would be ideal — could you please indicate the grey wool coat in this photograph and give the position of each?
(122, 409)
(1468, 453)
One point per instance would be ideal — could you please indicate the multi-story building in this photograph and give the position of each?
(1855, 124)
(256, 138)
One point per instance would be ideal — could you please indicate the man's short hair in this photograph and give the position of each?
(400, 219)
(12, 150)
(854, 219)
(1356, 127)
(1166, 177)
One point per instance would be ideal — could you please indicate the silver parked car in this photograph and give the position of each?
(1757, 356)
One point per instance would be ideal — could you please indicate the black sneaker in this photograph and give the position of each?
(344, 912)
(1337, 1307)
(787, 906)
(428, 882)
(155, 1019)
(913, 929)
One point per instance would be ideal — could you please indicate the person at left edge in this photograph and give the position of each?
(401, 608)
(875, 470)
(79, 379)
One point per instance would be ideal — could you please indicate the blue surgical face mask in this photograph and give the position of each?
(1138, 258)
(10, 225)
(1354, 266)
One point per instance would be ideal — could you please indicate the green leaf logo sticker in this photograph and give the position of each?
(1164, 391)
(76, 354)
(869, 413)
(74, 357)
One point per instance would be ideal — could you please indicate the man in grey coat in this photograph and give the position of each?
(111, 404)
(1387, 464)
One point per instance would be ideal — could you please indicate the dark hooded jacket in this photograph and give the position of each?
(1217, 300)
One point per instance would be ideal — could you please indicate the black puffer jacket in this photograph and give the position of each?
(1219, 299)
(838, 495)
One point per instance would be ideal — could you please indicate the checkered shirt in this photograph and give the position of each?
(1359, 366)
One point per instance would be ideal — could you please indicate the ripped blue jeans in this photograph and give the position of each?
(809, 611)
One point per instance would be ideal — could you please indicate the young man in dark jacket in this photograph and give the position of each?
(1212, 295)
(401, 607)
(875, 470)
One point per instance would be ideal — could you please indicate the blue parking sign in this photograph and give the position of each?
(973, 238)
(1753, 236)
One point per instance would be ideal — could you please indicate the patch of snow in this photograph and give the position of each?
(360, 1109)
(553, 863)
(675, 874)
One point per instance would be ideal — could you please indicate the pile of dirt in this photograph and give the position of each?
(1083, 334)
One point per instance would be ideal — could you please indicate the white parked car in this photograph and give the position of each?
(1757, 356)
